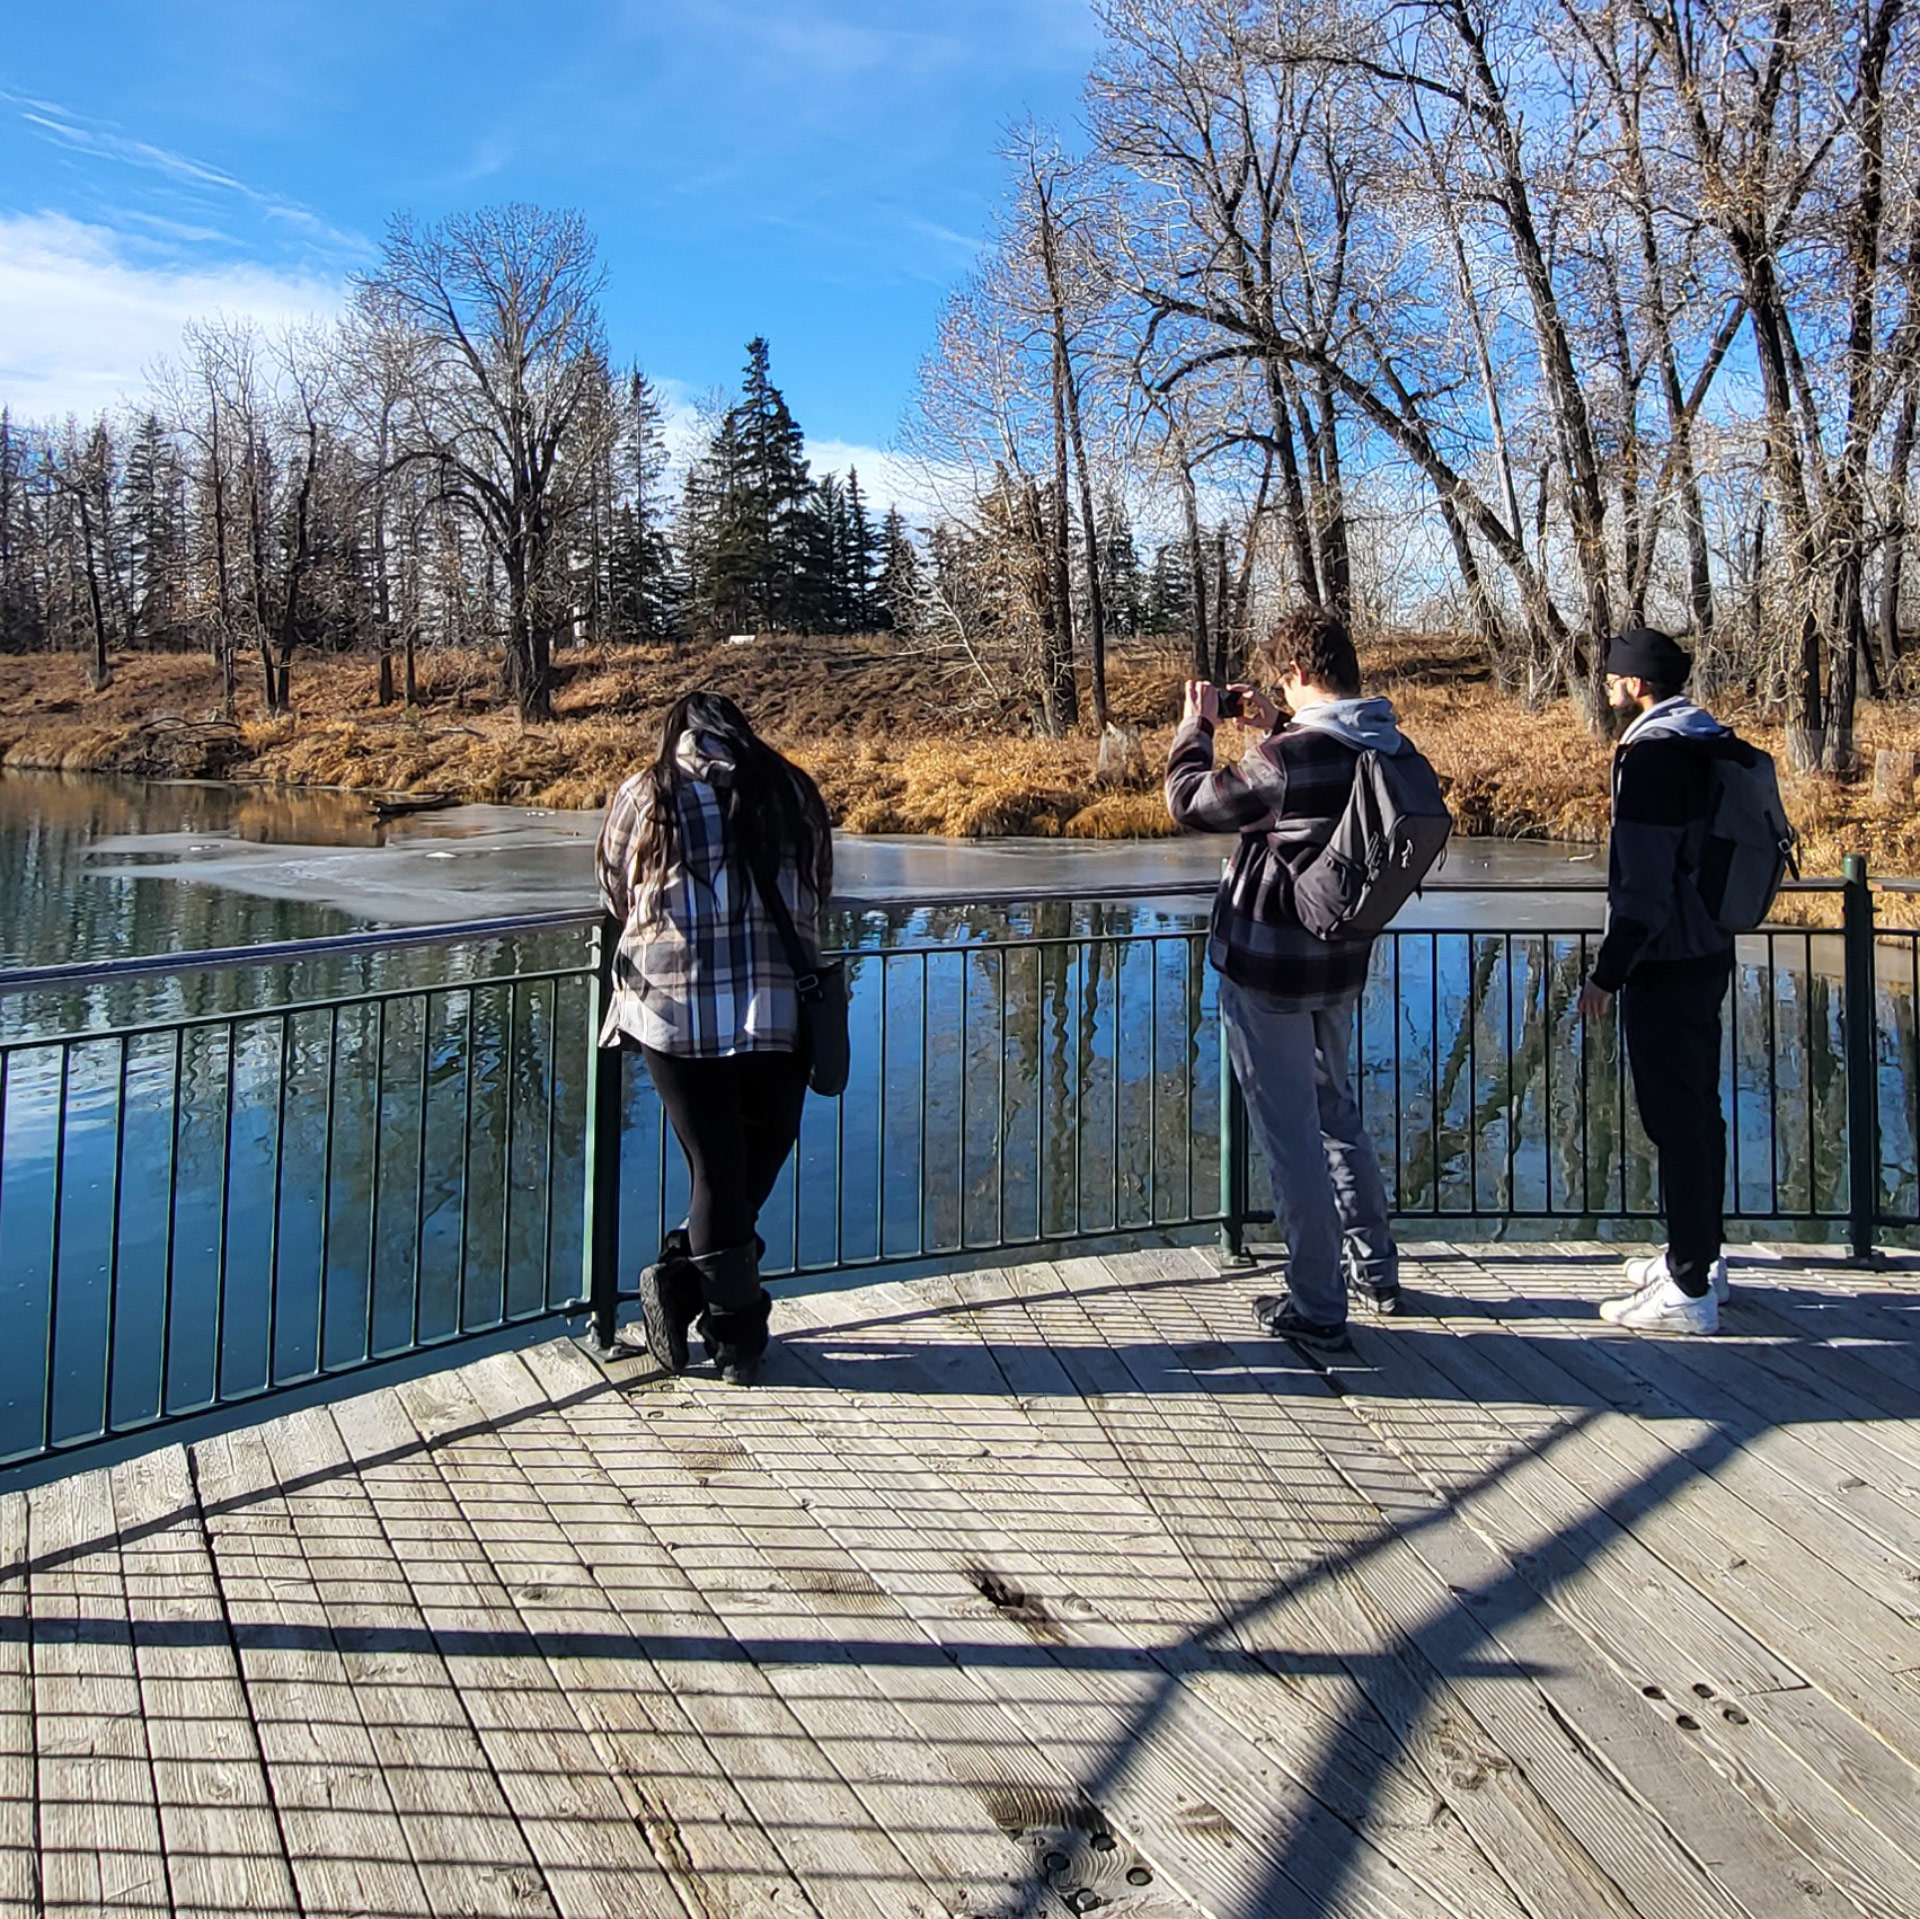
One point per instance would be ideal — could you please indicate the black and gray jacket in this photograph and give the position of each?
(1655, 914)
(1283, 800)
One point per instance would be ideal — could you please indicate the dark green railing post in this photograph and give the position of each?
(1234, 1161)
(600, 1235)
(1861, 1031)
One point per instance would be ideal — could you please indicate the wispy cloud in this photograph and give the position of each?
(82, 319)
(102, 140)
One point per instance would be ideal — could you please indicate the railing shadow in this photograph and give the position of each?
(1461, 1639)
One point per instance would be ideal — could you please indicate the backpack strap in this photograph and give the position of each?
(806, 966)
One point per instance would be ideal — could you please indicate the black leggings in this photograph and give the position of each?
(1670, 1015)
(736, 1120)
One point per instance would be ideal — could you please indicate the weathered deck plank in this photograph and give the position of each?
(1008, 1587)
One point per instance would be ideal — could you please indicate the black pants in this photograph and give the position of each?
(736, 1120)
(1670, 1019)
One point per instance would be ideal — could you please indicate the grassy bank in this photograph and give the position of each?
(899, 743)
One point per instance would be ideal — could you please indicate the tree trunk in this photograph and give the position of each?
(1293, 504)
(1096, 595)
(382, 586)
(1065, 689)
(1226, 649)
(100, 668)
(1899, 459)
(1196, 575)
(1336, 562)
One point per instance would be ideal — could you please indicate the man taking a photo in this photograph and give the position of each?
(1670, 962)
(1287, 995)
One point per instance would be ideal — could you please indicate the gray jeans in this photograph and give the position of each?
(1328, 1197)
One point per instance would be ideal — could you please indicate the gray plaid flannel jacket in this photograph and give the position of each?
(1282, 799)
(699, 970)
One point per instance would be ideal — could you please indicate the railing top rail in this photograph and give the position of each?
(31, 979)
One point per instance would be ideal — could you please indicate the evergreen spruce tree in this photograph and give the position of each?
(749, 519)
(897, 588)
(154, 532)
(862, 559)
(22, 613)
(826, 592)
(640, 566)
(1169, 590)
(1120, 581)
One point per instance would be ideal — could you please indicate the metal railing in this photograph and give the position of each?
(225, 1176)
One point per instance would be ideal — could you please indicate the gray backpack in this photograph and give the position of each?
(1394, 829)
(1750, 842)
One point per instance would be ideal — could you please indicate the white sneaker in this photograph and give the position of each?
(1661, 1307)
(1645, 1274)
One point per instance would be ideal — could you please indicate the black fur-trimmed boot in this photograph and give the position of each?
(737, 1341)
(734, 1325)
(671, 1296)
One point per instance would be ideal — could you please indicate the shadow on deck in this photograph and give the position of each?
(1042, 1590)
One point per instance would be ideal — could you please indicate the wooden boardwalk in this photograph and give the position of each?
(1043, 1590)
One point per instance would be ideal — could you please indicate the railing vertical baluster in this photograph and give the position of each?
(552, 1077)
(1000, 1127)
(221, 1244)
(1399, 1088)
(420, 1163)
(173, 1209)
(966, 1056)
(1233, 1157)
(53, 1241)
(920, 1150)
(467, 1025)
(1861, 1034)
(321, 1291)
(113, 1240)
(1153, 1083)
(509, 1092)
(1773, 1072)
(279, 1191)
(880, 1117)
(1080, 1036)
(373, 1170)
(600, 1235)
(1117, 1027)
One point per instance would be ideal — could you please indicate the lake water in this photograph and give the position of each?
(241, 1177)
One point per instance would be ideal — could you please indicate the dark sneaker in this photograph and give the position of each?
(1283, 1320)
(1382, 1295)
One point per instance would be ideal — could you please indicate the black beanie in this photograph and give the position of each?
(1640, 653)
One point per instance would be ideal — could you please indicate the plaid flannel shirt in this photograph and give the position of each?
(699, 970)
(1283, 800)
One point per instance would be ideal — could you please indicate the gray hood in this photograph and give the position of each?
(703, 757)
(1368, 725)
(1674, 719)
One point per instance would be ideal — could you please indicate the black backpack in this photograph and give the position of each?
(1394, 829)
(1750, 843)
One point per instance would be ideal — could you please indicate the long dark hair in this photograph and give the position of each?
(770, 804)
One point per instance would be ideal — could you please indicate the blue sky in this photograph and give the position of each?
(817, 170)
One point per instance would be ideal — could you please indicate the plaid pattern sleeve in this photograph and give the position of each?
(1282, 800)
(699, 970)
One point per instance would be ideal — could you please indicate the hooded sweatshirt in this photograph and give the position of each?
(1655, 915)
(1283, 800)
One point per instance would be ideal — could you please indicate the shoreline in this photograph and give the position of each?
(900, 743)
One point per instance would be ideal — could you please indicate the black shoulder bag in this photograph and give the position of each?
(822, 990)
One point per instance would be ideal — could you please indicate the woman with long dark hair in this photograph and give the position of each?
(703, 989)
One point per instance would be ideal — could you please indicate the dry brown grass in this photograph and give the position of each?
(899, 744)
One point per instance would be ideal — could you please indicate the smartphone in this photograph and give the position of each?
(1231, 702)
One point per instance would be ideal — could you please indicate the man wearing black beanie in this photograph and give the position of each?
(1671, 963)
